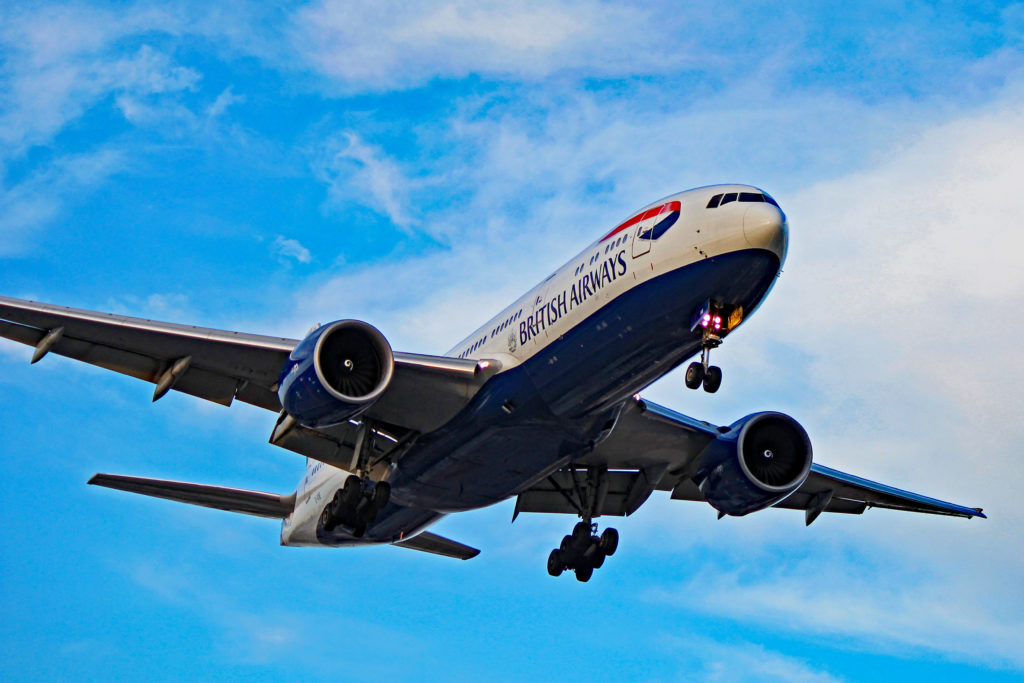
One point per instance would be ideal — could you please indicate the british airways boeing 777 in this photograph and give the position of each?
(541, 403)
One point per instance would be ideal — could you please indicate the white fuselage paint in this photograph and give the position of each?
(620, 262)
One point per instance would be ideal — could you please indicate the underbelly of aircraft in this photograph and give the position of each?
(532, 419)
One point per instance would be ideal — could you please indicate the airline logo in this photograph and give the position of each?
(656, 221)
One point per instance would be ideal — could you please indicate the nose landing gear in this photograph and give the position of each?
(355, 505)
(715, 321)
(703, 372)
(583, 551)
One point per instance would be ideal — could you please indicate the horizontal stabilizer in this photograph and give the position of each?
(439, 545)
(219, 497)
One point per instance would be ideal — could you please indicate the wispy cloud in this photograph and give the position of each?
(355, 170)
(736, 661)
(43, 197)
(418, 43)
(291, 249)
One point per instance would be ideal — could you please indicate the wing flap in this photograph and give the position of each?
(564, 493)
(219, 497)
(438, 545)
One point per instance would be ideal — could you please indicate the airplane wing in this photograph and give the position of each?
(221, 366)
(654, 448)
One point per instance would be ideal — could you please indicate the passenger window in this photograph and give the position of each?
(730, 197)
(713, 202)
(751, 197)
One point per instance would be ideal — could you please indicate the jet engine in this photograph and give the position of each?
(759, 461)
(336, 373)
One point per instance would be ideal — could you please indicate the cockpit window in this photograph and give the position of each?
(723, 199)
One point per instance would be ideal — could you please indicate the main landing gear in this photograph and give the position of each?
(583, 551)
(355, 505)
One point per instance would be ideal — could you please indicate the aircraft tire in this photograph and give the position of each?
(359, 530)
(694, 375)
(350, 491)
(326, 519)
(555, 564)
(609, 541)
(381, 495)
(713, 379)
(597, 559)
(580, 532)
(584, 572)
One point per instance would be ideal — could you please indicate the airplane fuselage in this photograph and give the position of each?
(573, 349)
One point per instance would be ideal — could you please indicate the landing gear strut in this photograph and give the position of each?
(357, 502)
(715, 322)
(583, 551)
(356, 505)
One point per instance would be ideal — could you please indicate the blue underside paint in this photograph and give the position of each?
(529, 421)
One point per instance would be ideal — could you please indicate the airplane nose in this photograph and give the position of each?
(764, 227)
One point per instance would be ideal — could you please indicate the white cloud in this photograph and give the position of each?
(224, 100)
(291, 249)
(62, 61)
(357, 171)
(875, 609)
(41, 198)
(709, 660)
(384, 45)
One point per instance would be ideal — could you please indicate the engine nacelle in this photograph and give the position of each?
(337, 372)
(759, 461)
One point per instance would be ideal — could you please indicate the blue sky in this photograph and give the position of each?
(418, 167)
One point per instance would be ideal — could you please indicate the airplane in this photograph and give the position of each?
(541, 403)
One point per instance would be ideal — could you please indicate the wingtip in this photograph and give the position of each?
(979, 513)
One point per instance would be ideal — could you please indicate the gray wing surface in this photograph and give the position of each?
(221, 366)
(222, 498)
(654, 448)
(438, 545)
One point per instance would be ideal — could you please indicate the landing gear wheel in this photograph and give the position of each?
(581, 531)
(597, 561)
(712, 379)
(566, 545)
(381, 495)
(327, 519)
(350, 491)
(609, 542)
(584, 572)
(694, 375)
(555, 564)
(359, 529)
